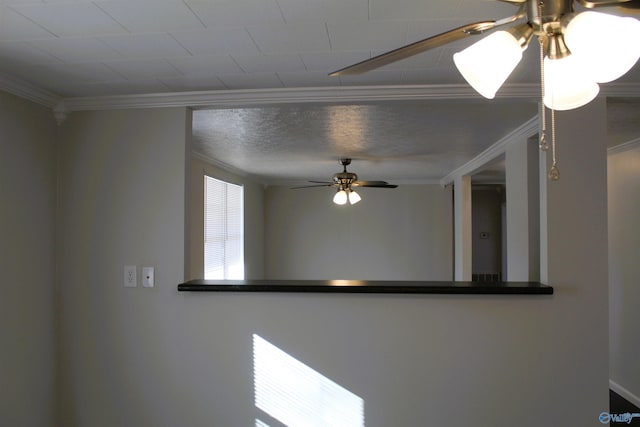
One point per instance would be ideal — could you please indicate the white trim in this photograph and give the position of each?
(220, 165)
(235, 98)
(525, 130)
(624, 393)
(236, 174)
(247, 97)
(624, 146)
(620, 89)
(28, 91)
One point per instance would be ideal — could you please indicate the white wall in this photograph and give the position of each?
(624, 271)
(253, 219)
(403, 234)
(27, 213)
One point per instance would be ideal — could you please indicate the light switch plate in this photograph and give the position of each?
(130, 279)
(147, 277)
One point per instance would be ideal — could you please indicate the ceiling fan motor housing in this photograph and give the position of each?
(541, 13)
(344, 179)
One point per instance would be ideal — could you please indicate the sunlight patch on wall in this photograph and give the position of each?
(294, 394)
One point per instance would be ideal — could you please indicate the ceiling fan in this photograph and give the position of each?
(577, 52)
(601, 43)
(345, 182)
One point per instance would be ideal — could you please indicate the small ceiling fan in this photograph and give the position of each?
(345, 182)
(605, 45)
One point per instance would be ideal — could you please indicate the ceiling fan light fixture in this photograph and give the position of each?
(340, 198)
(607, 45)
(486, 65)
(566, 86)
(354, 197)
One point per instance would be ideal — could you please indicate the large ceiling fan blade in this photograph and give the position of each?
(377, 184)
(322, 182)
(416, 48)
(623, 4)
(632, 6)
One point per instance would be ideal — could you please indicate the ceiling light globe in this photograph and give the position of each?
(485, 65)
(565, 86)
(607, 45)
(340, 198)
(354, 197)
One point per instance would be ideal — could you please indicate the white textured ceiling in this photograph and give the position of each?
(88, 48)
(399, 142)
(81, 48)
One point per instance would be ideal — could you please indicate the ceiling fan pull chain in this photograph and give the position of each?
(554, 173)
(544, 145)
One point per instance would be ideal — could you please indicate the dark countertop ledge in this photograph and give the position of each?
(368, 287)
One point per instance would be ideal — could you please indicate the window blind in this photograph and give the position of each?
(223, 230)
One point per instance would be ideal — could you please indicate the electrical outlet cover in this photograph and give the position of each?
(130, 277)
(147, 277)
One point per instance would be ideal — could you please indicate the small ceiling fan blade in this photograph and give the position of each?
(377, 184)
(381, 186)
(322, 182)
(363, 183)
(415, 48)
(311, 186)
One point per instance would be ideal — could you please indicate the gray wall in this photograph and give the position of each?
(574, 222)
(156, 357)
(27, 213)
(403, 234)
(122, 179)
(624, 270)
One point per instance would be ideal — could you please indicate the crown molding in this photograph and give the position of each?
(237, 98)
(630, 90)
(526, 130)
(28, 91)
(220, 165)
(625, 146)
(251, 97)
(333, 94)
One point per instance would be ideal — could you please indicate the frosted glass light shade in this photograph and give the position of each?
(607, 45)
(565, 86)
(340, 198)
(354, 197)
(485, 65)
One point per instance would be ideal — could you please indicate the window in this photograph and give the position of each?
(223, 230)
